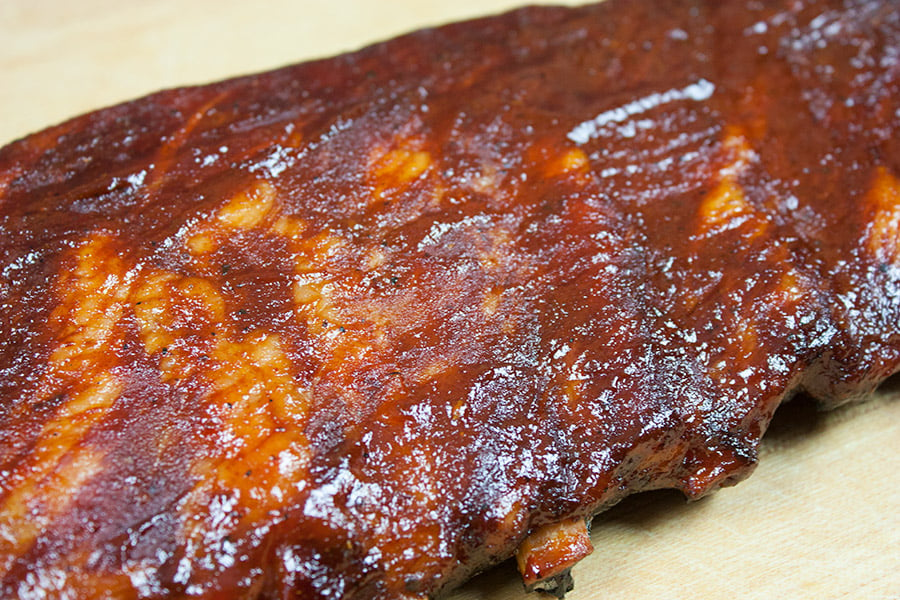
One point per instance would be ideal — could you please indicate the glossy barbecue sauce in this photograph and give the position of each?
(355, 328)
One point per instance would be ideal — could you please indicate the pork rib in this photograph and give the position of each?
(359, 327)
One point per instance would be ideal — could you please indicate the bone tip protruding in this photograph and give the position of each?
(545, 558)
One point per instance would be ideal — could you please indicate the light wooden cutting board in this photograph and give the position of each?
(820, 517)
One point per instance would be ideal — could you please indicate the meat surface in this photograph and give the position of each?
(356, 328)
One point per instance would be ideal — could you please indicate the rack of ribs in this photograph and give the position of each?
(360, 327)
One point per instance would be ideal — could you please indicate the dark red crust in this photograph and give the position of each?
(355, 327)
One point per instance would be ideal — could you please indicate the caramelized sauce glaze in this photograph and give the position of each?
(356, 327)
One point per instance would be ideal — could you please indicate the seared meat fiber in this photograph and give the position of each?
(359, 327)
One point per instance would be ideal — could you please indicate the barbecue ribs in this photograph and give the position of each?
(360, 327)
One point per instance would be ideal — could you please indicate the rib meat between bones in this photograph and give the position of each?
(360, 327)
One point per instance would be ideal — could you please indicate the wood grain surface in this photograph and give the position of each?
(820, 517)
